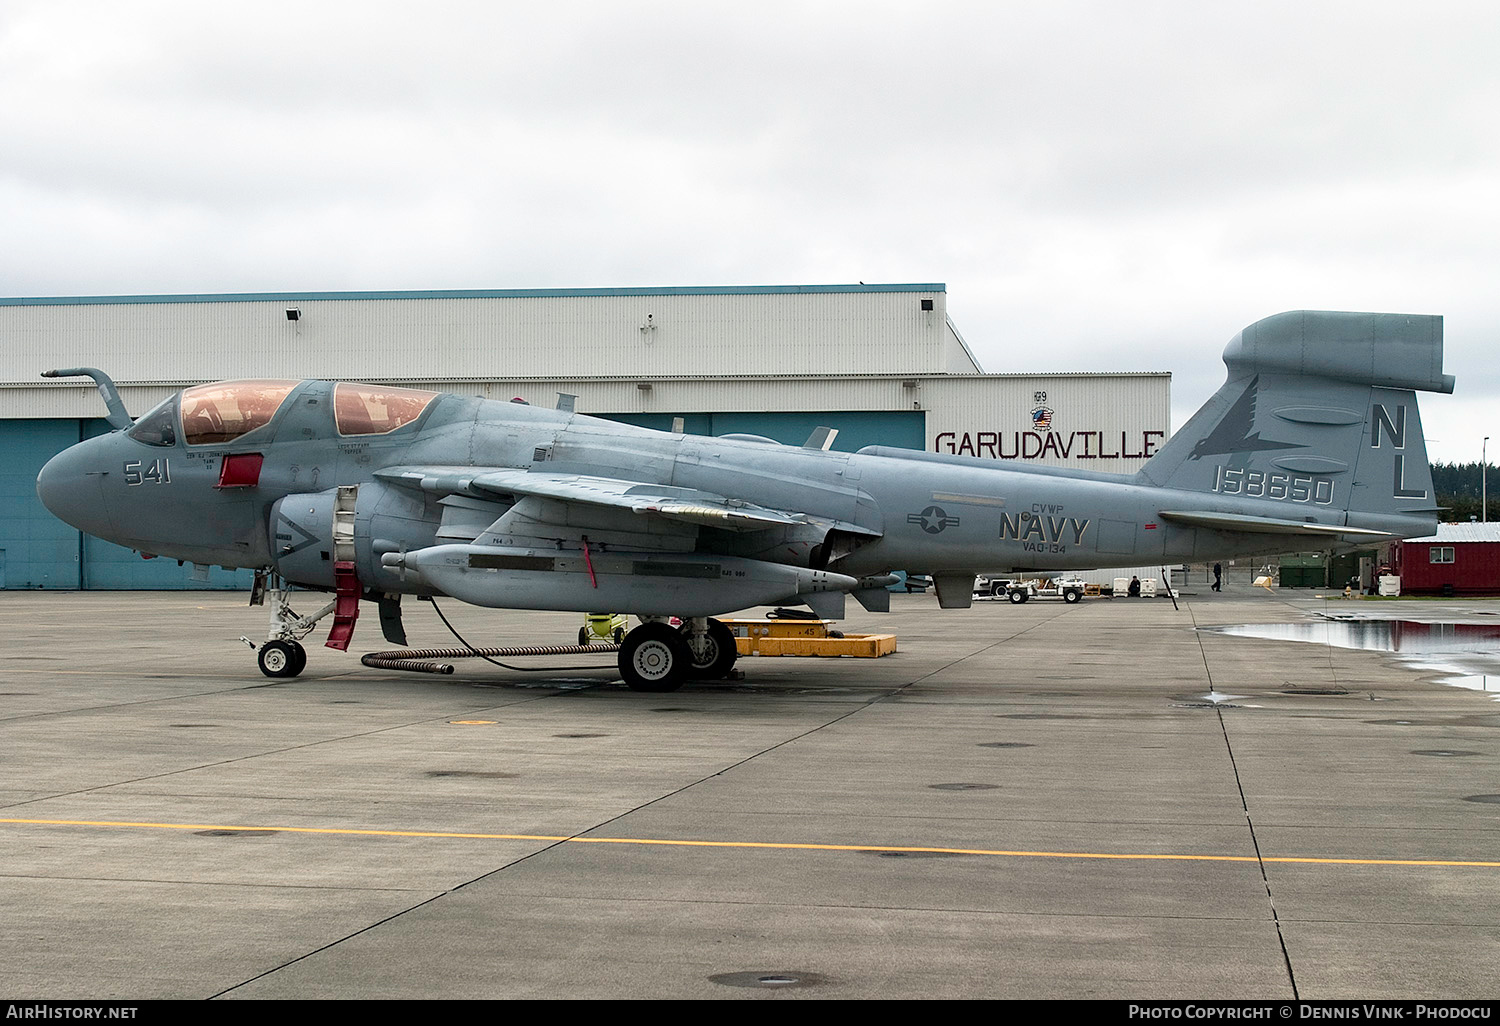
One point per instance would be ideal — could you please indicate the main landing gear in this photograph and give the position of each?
(659, 657)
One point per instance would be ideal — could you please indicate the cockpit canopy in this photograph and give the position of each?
(221, 412)
(227, 410)
(377, 409)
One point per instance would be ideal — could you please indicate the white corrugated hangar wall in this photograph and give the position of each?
(883, 364)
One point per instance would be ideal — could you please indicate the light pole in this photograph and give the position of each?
(1484, 481)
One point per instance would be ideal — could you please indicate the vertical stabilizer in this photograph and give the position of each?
(1319, 414)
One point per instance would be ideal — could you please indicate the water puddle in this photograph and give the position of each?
(1468, 654)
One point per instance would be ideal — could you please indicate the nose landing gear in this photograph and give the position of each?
(282, 655)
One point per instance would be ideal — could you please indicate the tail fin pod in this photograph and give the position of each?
(1393, 350)
(1318, 412)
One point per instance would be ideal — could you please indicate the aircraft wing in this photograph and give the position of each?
(679, 504)
(1266, 525)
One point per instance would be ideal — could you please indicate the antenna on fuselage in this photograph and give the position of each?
(821, 438)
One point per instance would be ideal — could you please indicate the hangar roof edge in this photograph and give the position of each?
(282, 297)
(547, 379)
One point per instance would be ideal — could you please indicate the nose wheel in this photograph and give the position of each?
(281, 658)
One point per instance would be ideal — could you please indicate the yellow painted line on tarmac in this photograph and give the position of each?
(776, 845)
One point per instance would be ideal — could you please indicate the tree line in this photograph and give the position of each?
(1458, 487)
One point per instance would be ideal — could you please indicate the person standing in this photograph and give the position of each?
(1218, 577)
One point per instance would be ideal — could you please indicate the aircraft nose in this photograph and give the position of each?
(51, 485)
(70, 492)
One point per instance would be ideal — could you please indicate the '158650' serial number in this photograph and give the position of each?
(1257, 484)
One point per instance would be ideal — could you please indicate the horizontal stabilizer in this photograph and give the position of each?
(1265, 525)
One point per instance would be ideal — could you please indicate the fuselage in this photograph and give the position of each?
(187, 486)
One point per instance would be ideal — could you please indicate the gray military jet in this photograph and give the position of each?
(374, 492)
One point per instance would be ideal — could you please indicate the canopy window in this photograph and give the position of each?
(377, 409)
(222, 412)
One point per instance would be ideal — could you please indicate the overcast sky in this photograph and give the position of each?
(1102, 186)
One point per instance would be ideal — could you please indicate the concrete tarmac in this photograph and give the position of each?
(1034, 801)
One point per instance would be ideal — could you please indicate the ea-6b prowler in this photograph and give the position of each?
(373, 492)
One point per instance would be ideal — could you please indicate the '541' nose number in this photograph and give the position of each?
(156, 472)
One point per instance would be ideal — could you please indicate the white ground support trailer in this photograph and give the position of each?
(1017, 590)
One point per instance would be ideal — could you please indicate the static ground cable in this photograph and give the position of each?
(414, 659)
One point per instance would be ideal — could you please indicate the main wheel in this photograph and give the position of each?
(1072, 595)
(1016, 597)
(280, 659)
(654, 657)
(720, 656)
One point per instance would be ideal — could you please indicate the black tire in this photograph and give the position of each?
(300, 655)
(279, 659)
(997, 589)
(1072, 595)
(1016, 597)
(654, 657)
(619, 635)
(722, 652)
(583, 635)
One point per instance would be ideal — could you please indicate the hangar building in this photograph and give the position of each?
(883, 364)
